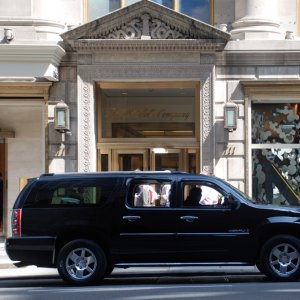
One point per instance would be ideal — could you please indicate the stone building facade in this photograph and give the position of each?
(147, 88)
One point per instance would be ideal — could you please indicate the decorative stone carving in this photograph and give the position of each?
(117, 45)
(145, 27)
(145, 20)
(86, 131)
(207, 166)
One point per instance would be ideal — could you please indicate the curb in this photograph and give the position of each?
(7, 266)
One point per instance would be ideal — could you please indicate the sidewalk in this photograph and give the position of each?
(5, 262)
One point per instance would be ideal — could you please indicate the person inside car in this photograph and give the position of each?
(194, 197)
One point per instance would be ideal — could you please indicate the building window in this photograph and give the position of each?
(148, 111)
(198, 9)
(167, 3)
(275, 152)
(128, 2)
(99, 8)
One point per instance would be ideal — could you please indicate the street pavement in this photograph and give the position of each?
(5, 262)
(9, 270)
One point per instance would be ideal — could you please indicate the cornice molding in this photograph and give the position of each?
(148, 45)
(25, 89)
(39, 61)
(271, 88)
(144, 71)
(14, 21)
(52, 53)
(6, 133)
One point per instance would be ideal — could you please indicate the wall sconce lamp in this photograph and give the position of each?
(62, 117)
(230, 116)
(8, 35)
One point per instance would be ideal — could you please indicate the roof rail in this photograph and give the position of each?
(164, 171)
(46, 174)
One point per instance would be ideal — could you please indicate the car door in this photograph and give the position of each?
(147, 230)
(208, 228)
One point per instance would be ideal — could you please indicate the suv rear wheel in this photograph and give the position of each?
(280, 258)
(82, 262)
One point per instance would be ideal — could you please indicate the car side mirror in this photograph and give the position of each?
(231, 202)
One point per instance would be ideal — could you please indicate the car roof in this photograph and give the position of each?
(123, 174)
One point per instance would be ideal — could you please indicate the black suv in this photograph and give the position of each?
(87, 224)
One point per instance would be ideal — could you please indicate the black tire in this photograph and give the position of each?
(280, 258)
(259, 267)
(82, 262)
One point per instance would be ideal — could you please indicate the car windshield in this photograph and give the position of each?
(245, 196)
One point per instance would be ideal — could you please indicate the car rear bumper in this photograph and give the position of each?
(39, 251)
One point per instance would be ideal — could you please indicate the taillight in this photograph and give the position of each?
(16, 222)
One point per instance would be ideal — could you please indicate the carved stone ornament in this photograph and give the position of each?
(145, 27)
(145, 20)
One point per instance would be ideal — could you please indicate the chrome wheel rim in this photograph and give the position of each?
(81, 263)
(284, 260)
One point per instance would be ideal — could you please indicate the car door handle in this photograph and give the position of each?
(131, 218)
(189, 218)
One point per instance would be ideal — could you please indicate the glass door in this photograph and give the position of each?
(129, 160)
(149, 159)
(166, 159)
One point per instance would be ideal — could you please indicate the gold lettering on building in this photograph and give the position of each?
(147, 114)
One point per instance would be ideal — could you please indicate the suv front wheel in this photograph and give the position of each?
(280, 258)
(81, 262)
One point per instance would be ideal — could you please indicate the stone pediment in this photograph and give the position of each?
(145, 20)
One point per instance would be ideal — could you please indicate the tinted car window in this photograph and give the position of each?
(202, 194)
(71, 193)
(150, 193)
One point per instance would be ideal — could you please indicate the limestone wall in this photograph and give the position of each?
(62, 156)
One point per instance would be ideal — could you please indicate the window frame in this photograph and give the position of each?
(148, 85)
(266, 91)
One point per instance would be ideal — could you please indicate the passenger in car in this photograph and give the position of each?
(194, 197)
(210, 196)
(145, 195)
(165, 195)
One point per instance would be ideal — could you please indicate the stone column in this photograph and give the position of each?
(256, 20)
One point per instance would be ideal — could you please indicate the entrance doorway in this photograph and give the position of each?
(149, 159)
(148, 126)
